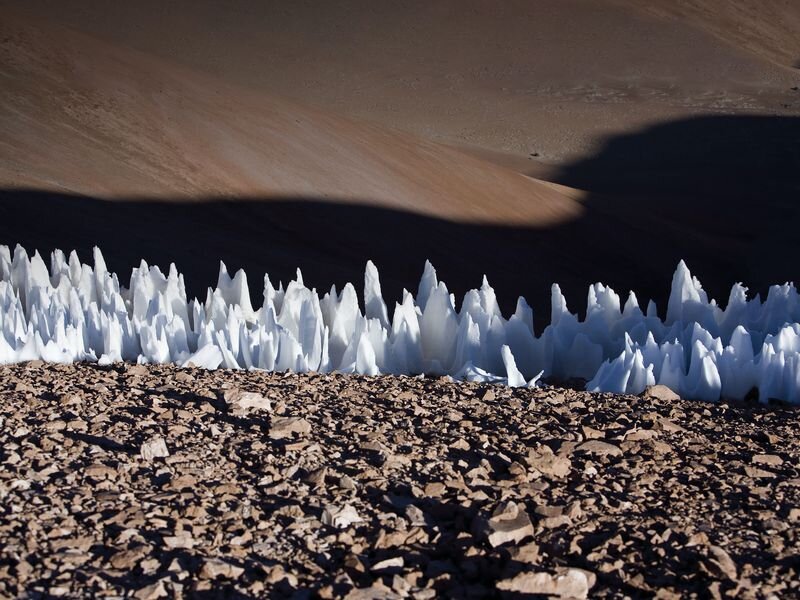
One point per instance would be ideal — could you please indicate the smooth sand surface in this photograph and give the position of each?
(81, 115)
(549, 77)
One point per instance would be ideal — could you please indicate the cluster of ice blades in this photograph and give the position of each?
(73, 312)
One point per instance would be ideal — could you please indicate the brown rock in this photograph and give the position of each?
(768, 459)
(669, 426)
(316, 478)
(340, 517)
(661, 392)
(548, 463)
(592, 434)
(435, 489)
(723, 562)
(284, 427)
(640, 435)
(599, 448)
(527, 553)
(508, 523)
(155, 447)
(128, 559)
(570, 583)
(388, 564)
(214, 568)
(241, 402)
(153, 591)
(757, 473)
(182, 539)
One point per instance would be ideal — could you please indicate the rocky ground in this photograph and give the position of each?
(162, 482)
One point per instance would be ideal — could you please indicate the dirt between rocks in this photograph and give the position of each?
(153, 482)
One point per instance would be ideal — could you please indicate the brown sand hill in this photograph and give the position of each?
(521, 77)
(684, 139)
(764, 27)
(159, 482)
(81, 115)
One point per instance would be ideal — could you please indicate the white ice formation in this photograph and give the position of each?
(73, 312)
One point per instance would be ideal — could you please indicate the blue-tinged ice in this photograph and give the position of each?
(72, 311)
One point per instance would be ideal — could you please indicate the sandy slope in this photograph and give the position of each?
(545, 77)
(155, 101)
(81, 115)
(764, 27)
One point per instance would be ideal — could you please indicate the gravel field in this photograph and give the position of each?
(153, 481)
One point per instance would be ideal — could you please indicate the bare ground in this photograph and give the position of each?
(384, 487)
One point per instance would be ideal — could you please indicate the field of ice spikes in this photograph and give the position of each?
(74, 312)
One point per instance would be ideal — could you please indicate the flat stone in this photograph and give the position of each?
(214, 568)
(340, 517)
(592, 434)
(661, 392)
(757, 473)
(570, 583)
(768, 459)
(723, 561)
(284, 427)
(548, 463)
(182, 539)
(526, 553)
(388, 564)
(640, 435)
(155, 447)
(128, 559)
(242, 402)
(508, 523)
(151, 592)
(599, 448)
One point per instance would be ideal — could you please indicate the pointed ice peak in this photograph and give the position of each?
(629, 344)
(602, 300)
(269, 289)
(99, 261)
(299, 278)
(686, 296)
(591, 297)
(73, 259)
(738, 295)
(524, 313)
(514, 377)
(558, 304)
(631, 305)
(20, 256)
(374, 306)
(742, 345)
(652, 309)
(427, 284)
(488, 298)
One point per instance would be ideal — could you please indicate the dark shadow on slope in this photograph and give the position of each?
(723, 193)
(330, 242)
(736, 157)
